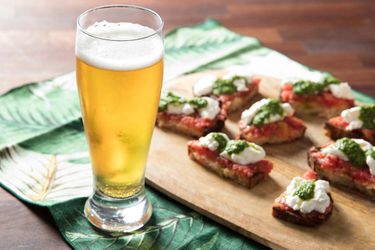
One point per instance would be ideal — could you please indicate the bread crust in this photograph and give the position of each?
(238, 100)
(282, 211)
(233, 174)
(194, 126)
(323, 105)
(336, 132)
(193, 131)
(341, 179)
(287, 130)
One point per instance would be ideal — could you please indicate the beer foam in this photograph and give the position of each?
(117, 49)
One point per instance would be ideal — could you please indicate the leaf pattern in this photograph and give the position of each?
(170, 227)
(36, 109)
(44, 179)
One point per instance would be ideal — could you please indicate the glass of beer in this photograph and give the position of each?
(119, 67)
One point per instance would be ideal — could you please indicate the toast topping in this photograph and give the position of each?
(243, 152)
(307, 195)
(204, 85)
(329, 83)
(359, 117)
(206, 107)
(341, 90)
(266, 111)
(351, 116)
(357, 151)
(227, 85)
(214, 141)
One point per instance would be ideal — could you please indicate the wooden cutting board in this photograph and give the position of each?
(248, 211)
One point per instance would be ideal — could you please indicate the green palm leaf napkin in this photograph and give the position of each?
(44, 159)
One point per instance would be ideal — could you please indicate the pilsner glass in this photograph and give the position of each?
(119, 63)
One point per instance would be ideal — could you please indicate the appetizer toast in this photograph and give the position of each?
(306, 201)
(195, 117)
(269, 121)
(357, 122)
(234, 91)
(326, 98)
(237, 160)
(347, 163)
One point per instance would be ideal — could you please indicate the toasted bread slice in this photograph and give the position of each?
(335, 129)
(286, 130)
(238, 100)
(191, 125)
(324, 104)
(282, 211)
(245, 175)
(342, 173)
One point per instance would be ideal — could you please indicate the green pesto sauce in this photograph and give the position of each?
(306, 190)
(353, 151)
(371, 153)
(305, 87)
(170, 98)
(273, 107)
(221, 139)
(226, 86)
(367, 116)
(198, 102)
(236, 146)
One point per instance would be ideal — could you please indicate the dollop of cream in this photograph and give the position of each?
(365, 146)
(204, 85)
(351, 116)
(248, 115)
(185, 109)
(209, 141)
(341, 90)
(334, 150)
(211, 110)
(319, 202)
(252, 154)
(371, 164)
(240, 84)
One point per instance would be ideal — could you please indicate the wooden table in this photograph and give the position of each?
(37, 42)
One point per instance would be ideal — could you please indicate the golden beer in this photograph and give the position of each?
(119, 67)
(119, 109)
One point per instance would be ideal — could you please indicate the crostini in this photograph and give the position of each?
(357, 122)
(326, 98)
(194, 117)
(306, 201)
(270, 121)
(348, 163)
(234, 91)
(238, 160)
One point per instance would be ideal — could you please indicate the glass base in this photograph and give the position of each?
(118, 215)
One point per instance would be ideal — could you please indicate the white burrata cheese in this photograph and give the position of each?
(253, 153)
(204, 85)
(248, 115)
(319, 202)
(211, 110)
(351, 116)
(371, 164)
(365, 146)
(185, 109)
(341, 90)
(334, 150)
(209, 141)
(240, 84)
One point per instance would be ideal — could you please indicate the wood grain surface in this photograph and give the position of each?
(248, 211)
(37, 42)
